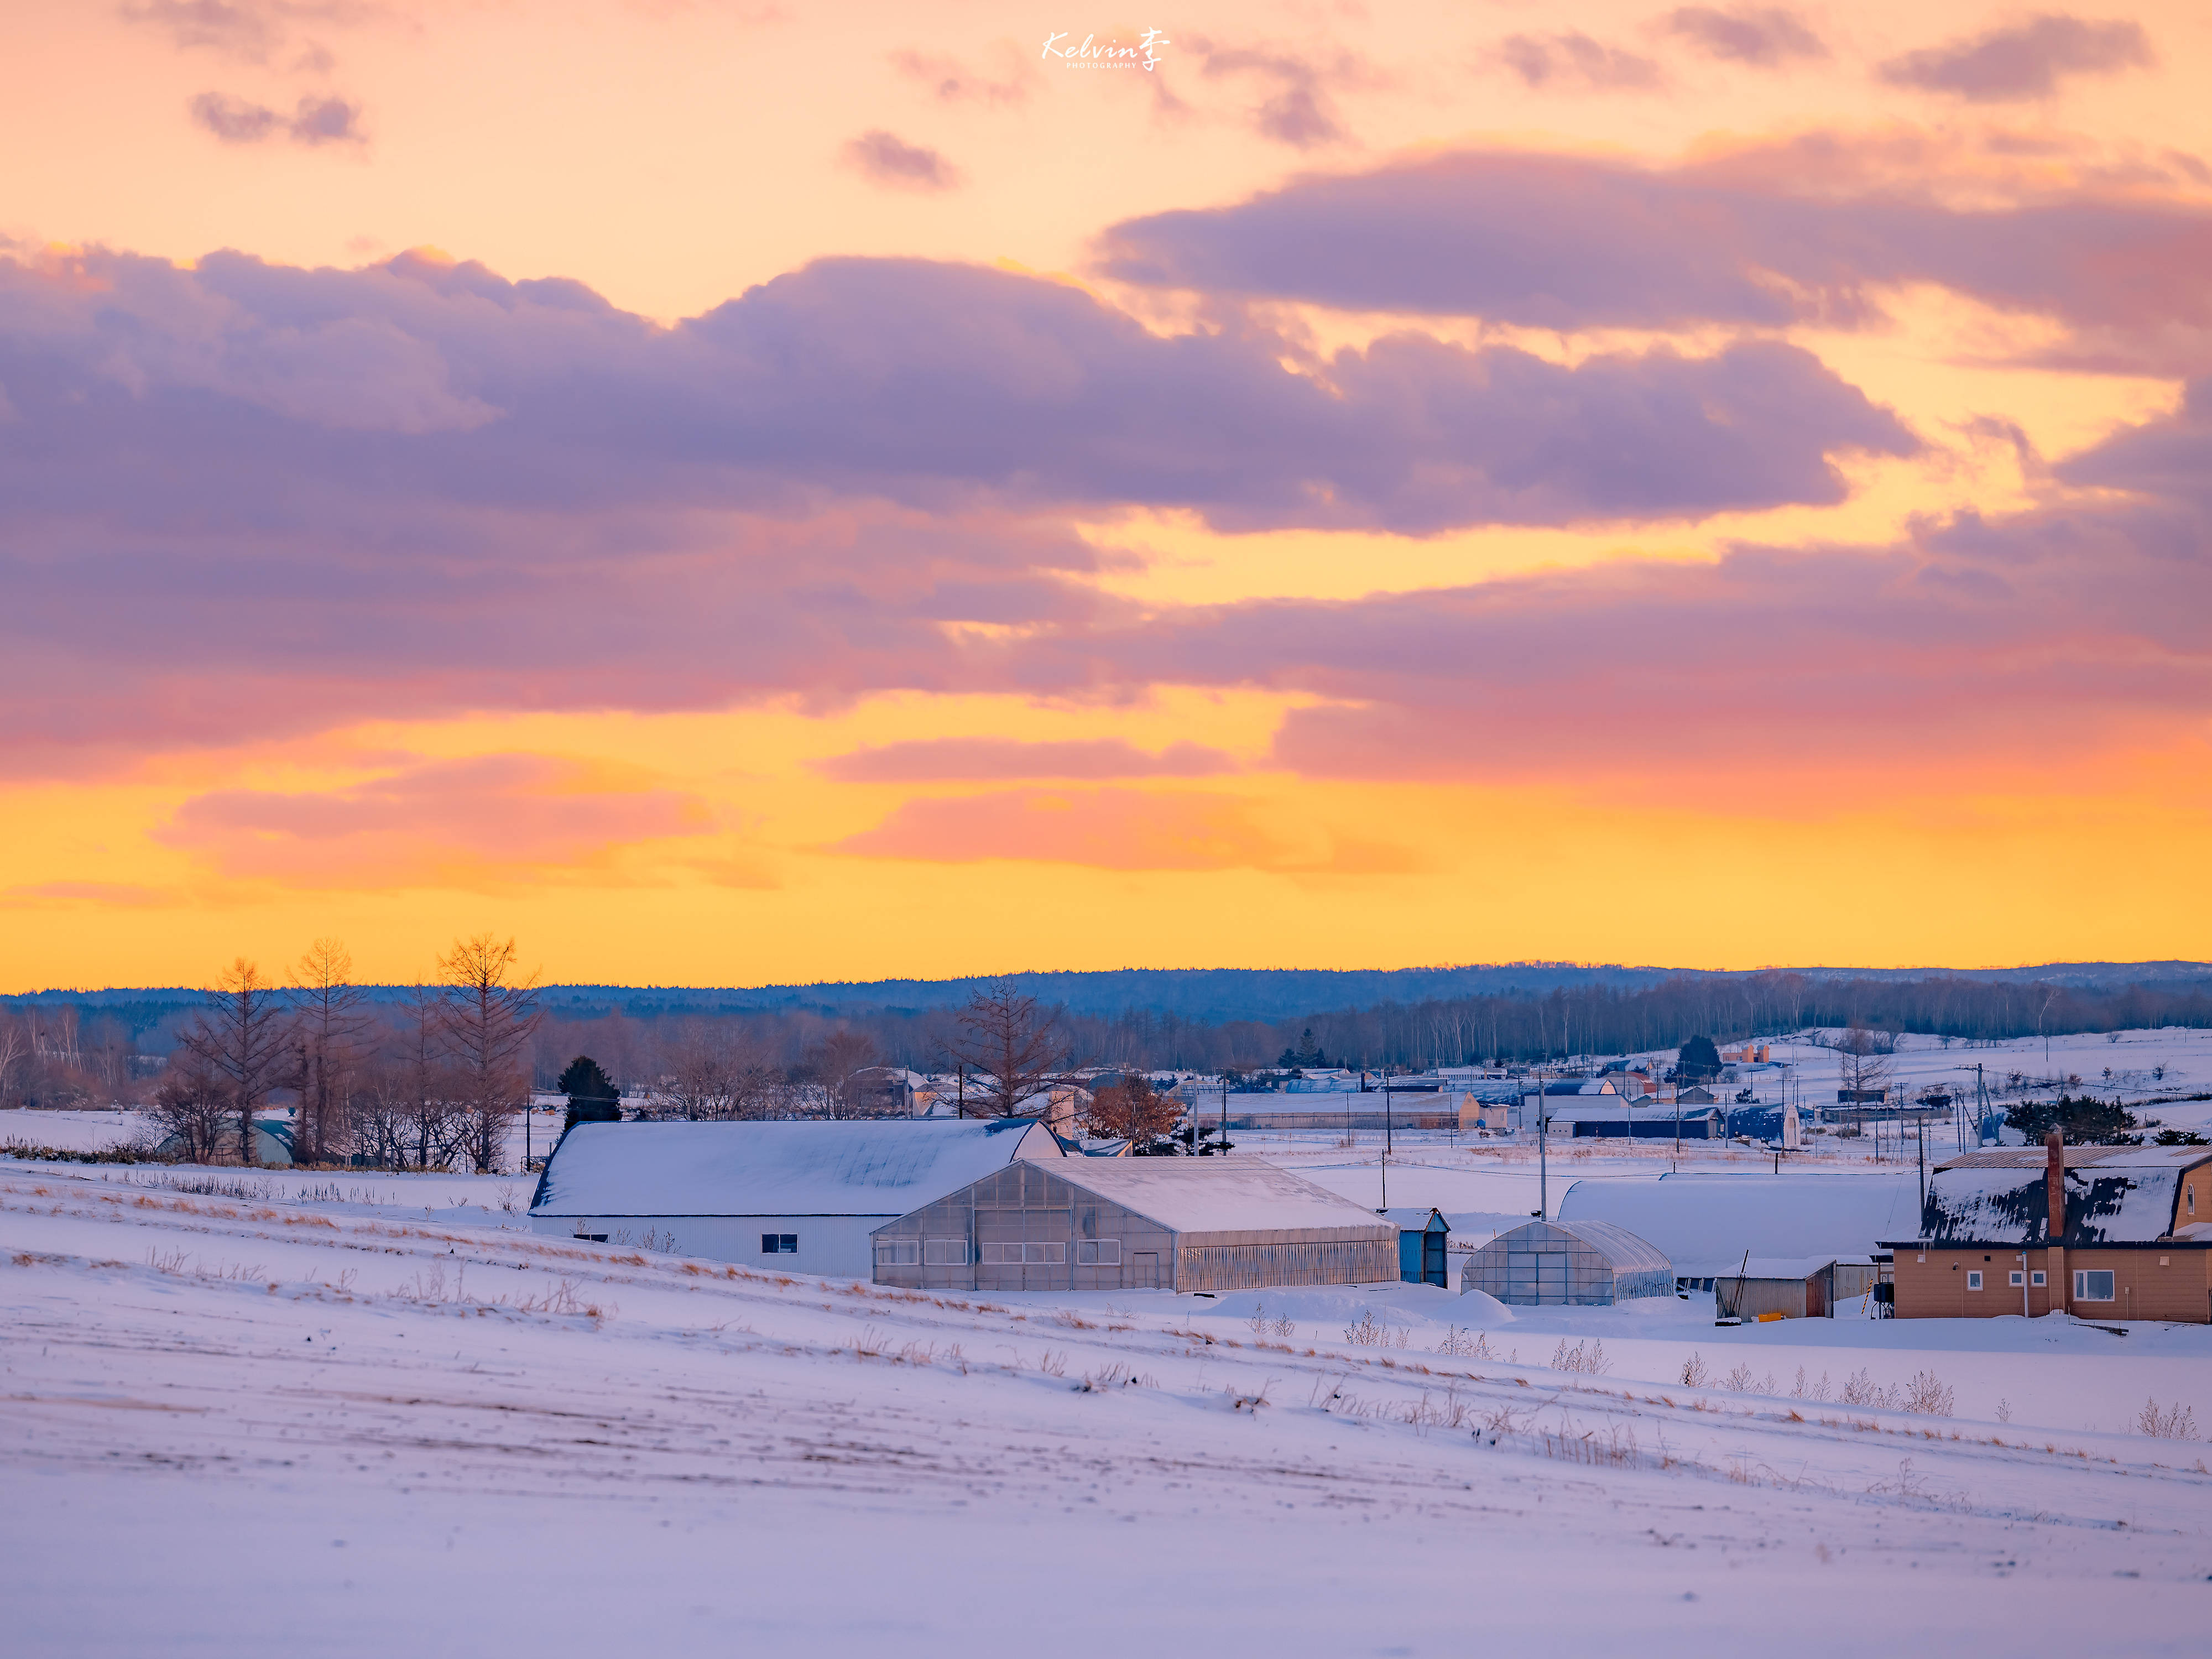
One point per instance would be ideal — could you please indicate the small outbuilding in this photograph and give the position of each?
(1789, 1287)
(1568, 1263)
(799, 1197)
(1213, 1224)
(1424, 1245)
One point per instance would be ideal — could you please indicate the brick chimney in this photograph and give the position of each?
(2054, 1191)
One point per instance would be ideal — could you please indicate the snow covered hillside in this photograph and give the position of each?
(254, 1415)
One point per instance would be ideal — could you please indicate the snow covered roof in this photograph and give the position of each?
(1705, 1222)
(2081, 1157)
(1624, 1251)
(1610, 1109)
(2114, 1195)
(874, 1167)
(1775, 1267)
(1222, 1195)
(1415, 1218)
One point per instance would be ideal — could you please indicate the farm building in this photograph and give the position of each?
(1424, 1245)
(1227, 1223)
(1574, 1263)
(1705, 1222)
(1588, 1116)
(1334, 1110)
(800, 1197)
(1791, 1287)
(2102, 1233)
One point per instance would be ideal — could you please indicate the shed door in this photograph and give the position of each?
(1144, 1270)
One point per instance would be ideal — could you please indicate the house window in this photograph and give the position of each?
(898, 1252)
(944, 1252)
(779, 1244)
(1974, 1280)
(1097, 1252)
(2038, 1279)
(2013, 1280)
(2090, 1286)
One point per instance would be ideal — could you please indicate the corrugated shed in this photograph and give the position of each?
(873, 1167)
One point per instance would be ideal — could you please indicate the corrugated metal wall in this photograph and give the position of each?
(1260, 1267)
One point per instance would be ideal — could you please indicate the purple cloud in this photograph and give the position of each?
(1571, 58)
(316, 121)
(1764, 37)
(2027, 60)
(1567, 242)
(883, 159)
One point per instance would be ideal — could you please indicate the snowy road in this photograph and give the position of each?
(355, 1427)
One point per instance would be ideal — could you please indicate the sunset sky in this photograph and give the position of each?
(746, 492)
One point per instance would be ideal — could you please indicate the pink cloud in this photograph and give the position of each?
(978, 758)
(483, 815)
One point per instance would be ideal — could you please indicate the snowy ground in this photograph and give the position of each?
(260, 1413)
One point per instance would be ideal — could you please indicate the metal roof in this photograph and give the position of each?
(871, 1167)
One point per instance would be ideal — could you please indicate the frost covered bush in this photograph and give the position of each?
(2174, 1422)
(1694, 1372)
(1591, 1361)
(1929, 1395)
(1466, 1345)
(1369, 1332)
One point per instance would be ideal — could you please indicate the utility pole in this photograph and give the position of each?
(1543, 1163)
(1386, 1141)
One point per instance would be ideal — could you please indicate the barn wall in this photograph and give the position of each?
(1935, 1288)
(1260, 1267)
(1793, 1298)
(1026, 1210)
(833, 1246)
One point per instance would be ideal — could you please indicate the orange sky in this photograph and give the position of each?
(1711, 486)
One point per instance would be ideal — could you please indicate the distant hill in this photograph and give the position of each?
(1201, 995)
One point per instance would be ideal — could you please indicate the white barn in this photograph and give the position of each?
(799, 1197)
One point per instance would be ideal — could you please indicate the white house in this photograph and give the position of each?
(801, 1197)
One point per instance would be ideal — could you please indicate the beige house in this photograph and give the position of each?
(2101, 1232)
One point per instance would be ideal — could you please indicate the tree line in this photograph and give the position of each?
(434, 1076)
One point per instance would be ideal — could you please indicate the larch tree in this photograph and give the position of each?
(1131, 1110)
(329, 1021)
(1014, 1050)
(486, 1022)
(243, 1037)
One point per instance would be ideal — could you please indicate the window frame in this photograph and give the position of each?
(940, 1252)
(1103, 1252)
(898, 1253)
(1973, 1278)
(779, 1244)
(2083, 1276)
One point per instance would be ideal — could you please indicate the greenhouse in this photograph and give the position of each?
(1568, 1263)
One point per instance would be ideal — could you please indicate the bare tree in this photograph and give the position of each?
(189, 1106)
(487, 1023)
(1861, 1059)
(14, 1046)
(834, 1062)
(328, 1023)
(1015, 1052)
(243, 1037)
(711, 1071)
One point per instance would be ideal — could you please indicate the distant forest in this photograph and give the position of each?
(59, 1047)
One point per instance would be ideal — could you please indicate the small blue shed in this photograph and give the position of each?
(1424, 1237)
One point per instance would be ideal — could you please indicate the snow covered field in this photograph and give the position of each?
(260, 1413)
